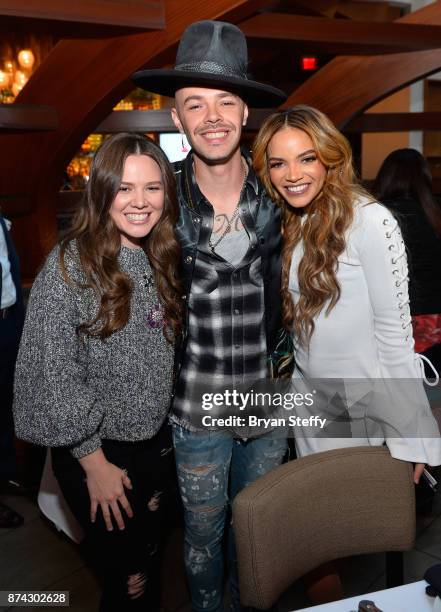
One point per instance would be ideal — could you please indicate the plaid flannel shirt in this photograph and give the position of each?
(226, 339)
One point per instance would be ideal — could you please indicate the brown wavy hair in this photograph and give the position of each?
(98, 240)
(326, 221)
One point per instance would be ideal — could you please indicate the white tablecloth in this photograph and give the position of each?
(407, 598)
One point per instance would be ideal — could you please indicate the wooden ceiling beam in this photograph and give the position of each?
(137, 121)
(357, 10)
(244, 10)
(296, 7)
(161, 121)
(319, 6)
(368, 11)
(395, 122)
(28, 117)
(340, 36)
(145, 14)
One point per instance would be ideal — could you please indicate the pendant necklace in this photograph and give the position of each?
(235, 214)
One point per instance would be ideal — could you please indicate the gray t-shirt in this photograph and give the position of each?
(233, 246)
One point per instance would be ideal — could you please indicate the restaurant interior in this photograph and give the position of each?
(373, 66)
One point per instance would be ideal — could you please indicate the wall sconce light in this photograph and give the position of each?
(14, 74)
(26, 59)
(20, 78)
(4, 79)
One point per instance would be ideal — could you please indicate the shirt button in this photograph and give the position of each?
(188, 259)
(198, 219)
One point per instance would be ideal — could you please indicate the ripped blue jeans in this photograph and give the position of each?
(212, 468)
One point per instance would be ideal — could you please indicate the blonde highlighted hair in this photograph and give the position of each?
(327, 217)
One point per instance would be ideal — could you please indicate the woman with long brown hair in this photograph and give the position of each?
(344, 275)
(94, 372)
(344, 283)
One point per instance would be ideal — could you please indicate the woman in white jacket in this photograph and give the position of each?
(344, 286)
(345, 298)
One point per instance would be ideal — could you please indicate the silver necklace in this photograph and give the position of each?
(235, 214)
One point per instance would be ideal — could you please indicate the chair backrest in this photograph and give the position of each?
(322, 507)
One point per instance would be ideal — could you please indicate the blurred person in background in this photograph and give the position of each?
(11, 324)
(404, 186)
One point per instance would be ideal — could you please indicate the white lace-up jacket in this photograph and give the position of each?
(368, 334)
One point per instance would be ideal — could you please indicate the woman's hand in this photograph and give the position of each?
(106, 482)
(418, 472)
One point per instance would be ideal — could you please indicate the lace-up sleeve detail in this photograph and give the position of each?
(398, 261)
(400, 273)
(383, 259)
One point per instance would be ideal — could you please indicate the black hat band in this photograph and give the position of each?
(212, 68)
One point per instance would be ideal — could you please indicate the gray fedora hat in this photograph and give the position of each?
(211, 54)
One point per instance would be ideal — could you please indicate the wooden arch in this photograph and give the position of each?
(347, 86)
(83, 79)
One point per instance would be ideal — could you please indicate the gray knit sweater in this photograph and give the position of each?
(75, 392)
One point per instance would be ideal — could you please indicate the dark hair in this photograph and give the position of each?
(406, 174)
(99, 242)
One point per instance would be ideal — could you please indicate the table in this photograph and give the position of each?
(407, 598)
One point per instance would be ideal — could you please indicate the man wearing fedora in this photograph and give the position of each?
(229, 231)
